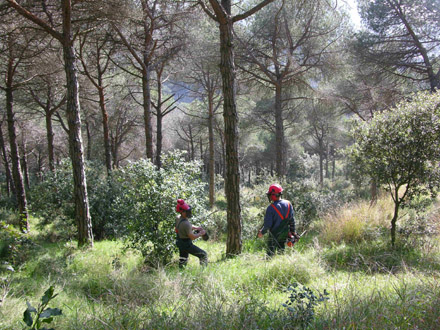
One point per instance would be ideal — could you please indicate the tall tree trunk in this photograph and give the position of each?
(159, 119)
(332, 154)
(20, 192)
(327, 160)
(82, 213)
(232, 179)
(89, 141)
(279, 133)
(321, 167)
(321, 162)
(50, 138)
(115, 149)
(211, 165)
(191, 143)
(201, 153)
(24, 165)
(39, 160)
(10, 187)
(146, 91)
(159, 140)
(107, 149)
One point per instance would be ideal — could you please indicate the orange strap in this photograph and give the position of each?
(279, 213)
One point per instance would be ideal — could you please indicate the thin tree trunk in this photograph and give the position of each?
(24, 165)
(321, 168)
(159, 140)
(107, 149)
(332, 154)
(159, 119)
(327, 173)
(20, 192)
(394, 219)
(211, 166)
(39, 160)
(191, 143)
(89, 141)
(201, 152)
(279, 133)
(10, 187)
(50, 138)
(146, 90)
(115, 150)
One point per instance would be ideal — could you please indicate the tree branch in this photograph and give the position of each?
(251, 11)
(27, 14)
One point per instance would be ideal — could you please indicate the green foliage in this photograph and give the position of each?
(400, 149)
(144, 209)
(301, 305)
(42, 314)
(52, 200)
(13, 244)
(136, 202)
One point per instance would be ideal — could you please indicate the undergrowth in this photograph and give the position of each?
(369, 284)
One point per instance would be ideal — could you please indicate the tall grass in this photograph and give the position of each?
(371, 286)
(356, 222)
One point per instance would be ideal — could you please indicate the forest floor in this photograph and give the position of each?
(364, 285)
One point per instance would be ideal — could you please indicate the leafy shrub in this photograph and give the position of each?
(144, 209)
(136, 202)
(52, 199)
(400, 149)
(13, 244)
(301, 305)
(419, 223)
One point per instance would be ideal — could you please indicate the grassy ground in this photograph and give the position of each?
(369, 285)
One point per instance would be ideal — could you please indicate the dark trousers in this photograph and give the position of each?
(186, 247)
(275, 244)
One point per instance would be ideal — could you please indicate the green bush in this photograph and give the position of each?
(52, 200)
(136, 202)
(13, 244)
(144, 209)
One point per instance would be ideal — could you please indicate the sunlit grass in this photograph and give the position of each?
(356, 222)
(370, 285)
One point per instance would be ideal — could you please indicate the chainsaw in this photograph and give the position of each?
(293, 238)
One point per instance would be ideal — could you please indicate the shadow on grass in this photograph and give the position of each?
(379, 257)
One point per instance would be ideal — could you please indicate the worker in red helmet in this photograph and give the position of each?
(279, 221)
(186, 233)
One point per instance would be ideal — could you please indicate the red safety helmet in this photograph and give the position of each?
(275, 190)
(182, 206)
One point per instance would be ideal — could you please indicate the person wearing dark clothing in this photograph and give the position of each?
(279, 221)
(185, 235)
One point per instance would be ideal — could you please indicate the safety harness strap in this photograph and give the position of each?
(279, 213)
